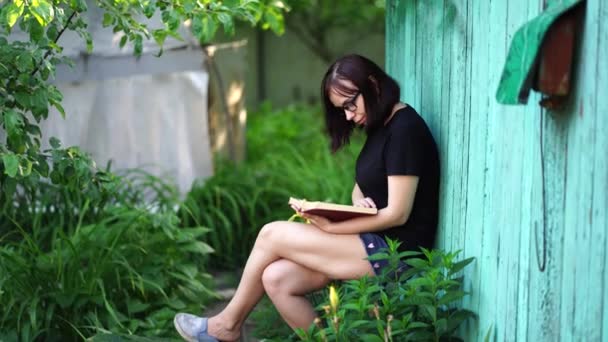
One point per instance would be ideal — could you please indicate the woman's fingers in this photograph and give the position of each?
(370, 202)
(366, 203)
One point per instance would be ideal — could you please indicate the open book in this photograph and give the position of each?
(331, 211)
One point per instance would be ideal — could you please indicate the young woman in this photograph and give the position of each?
(397, 171)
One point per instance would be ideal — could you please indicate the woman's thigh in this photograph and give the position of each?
(285, 275)
(338, 256)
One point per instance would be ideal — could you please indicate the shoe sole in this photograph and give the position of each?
(181, 332)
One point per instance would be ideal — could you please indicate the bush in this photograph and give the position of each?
(71, 266)
(287, 155)
(418, 304)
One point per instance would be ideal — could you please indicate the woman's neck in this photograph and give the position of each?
(396, 107)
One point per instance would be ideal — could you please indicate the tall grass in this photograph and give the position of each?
(73, 264)
(287, 155)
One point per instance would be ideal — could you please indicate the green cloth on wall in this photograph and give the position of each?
(522, 61)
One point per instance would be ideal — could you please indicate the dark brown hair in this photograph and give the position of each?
(379, 90)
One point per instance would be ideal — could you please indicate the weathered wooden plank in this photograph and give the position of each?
(600, 199)
(503, 179)
(480, 243)
(461, 121)
(450, 137)
(599, 169)
(577, 228)
(530, 178)
(579, 200)
(456, 108)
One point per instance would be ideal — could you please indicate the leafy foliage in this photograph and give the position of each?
(287, 155)
(82, 248)
(417, 304)
(69, 269)
(313, 22)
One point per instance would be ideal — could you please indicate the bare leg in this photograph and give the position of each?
(286, 283)
(336, 256)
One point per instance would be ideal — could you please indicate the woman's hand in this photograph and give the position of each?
(365, 202)
(318, 221)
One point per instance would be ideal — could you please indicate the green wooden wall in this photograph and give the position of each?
(540, 270)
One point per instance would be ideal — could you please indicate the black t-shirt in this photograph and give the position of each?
(404, 146)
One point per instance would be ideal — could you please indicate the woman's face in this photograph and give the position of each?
(353, 104)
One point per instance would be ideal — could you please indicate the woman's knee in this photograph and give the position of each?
(274, 278)
(271, 233)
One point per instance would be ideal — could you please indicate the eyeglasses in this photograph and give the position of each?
(350, 105)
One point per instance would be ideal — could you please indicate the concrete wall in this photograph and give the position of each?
(283, 70)
(540, 270)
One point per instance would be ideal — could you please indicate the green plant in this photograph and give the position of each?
(418, 304)
(269, 323)
(81, 248)
(127, 271)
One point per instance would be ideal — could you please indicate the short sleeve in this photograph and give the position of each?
(404, 150)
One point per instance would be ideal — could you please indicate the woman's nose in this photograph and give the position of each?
(349, 115)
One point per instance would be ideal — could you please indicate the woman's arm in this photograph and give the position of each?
(359, 199)
(357, 194)
(401, 193)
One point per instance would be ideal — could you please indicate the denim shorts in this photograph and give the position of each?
(373, 244)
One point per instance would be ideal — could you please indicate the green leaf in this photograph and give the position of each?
(40, 102)
(227, 21)
(9, 186)
(416, 325)
(441, 326)
(36, 31)
(107, 20)
(43, 11)
(51, 32)
(460, 265)
(11, 164)
(378, 256)
(24, 62)
(417, 263)
(136, 306)
(123, 41)
(138, 44)
(451, 296)
(33, 129)
(408, 254)
(89, 41)
(274, 20)
(13, 12)
(159, 36)
(55, 143)
(371, 338)
(204, 28)
(23, 98)
(60, 109)
(13, 122)
(420, 335)
(430, 311)
(42, 166)
(415, 300)
(417, 282)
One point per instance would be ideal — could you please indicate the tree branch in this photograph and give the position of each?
(48, 52)
(314, 41)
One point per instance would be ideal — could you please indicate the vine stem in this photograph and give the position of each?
(48, 52)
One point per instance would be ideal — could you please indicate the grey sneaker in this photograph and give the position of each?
(192, 328)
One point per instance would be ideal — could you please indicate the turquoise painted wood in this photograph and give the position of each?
(524, 190)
